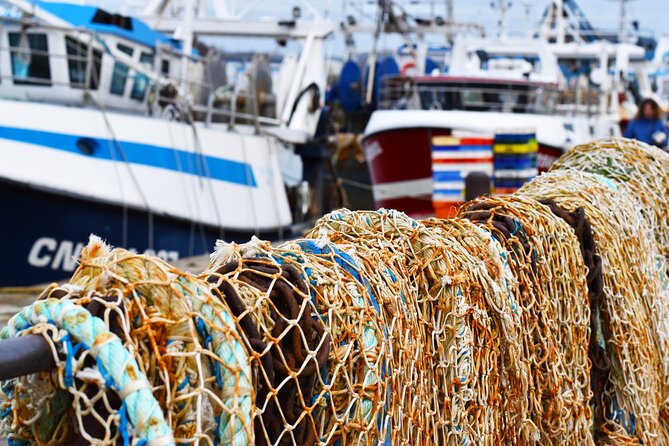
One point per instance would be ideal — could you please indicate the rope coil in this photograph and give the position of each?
(536, 318)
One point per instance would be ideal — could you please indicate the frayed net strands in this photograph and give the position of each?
(633, 312)
(539, 318)
(546, 260)
(471, 278)
(310, 315)
(145, 355)
(452, 307)
(639, 168)
(384, 262)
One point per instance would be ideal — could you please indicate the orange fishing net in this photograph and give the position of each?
(537, 318)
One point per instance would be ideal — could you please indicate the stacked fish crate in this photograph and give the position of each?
(515, 160)
(453, 158)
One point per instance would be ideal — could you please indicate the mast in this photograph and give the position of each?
(371, 59)
(450, 19)
(623, 22)
(527, 6)
(559, 21)
(623, 35)
(187, 31)
(503, 9)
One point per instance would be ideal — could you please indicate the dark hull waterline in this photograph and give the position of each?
(42, 232)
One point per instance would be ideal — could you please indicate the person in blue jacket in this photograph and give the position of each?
(648, 125)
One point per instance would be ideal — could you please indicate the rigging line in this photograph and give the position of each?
(247, 173)
(272, 149)
(177, 161)
(184, 184)
(199, 223)
(196, 222)
(205, 173)
(124, 204)
(134, 179)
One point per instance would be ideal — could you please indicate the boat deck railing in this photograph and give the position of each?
(161, 92)
(503, 98)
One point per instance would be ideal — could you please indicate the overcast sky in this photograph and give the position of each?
(652, 15)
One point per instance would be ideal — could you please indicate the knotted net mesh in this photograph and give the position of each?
(311, 318)
(633, 323)
(637, 167)
(538, 318)
(184, 342)
(545, 257)
(459, 390)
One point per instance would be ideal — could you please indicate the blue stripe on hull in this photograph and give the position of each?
(136, 153)
(40, 231)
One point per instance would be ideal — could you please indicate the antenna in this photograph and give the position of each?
(623, 36)
(559, 21)
(450, 19)
(502, 7)
(527, 7)
(450, 16)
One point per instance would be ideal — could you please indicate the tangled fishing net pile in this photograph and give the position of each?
(145, 354)
(536, 318)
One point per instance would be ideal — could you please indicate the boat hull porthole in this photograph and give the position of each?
(87, 146)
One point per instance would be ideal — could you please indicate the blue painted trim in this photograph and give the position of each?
(465, 147)
(447, 191)
(441, 176)
(143, 154)
(81, 16)
(514, 138)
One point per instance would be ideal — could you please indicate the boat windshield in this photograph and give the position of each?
(469, 95)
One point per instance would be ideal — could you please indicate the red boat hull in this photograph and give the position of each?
(400, 166)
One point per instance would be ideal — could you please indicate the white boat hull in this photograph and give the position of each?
(203, 174)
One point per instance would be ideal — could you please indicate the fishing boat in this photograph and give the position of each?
(494, 86)
(471, 101)
(101, 130)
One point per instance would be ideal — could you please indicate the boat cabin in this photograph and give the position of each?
(520, 76)
(72, 54)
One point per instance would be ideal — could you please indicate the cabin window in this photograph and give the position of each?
(165, 67)
(106, 18)
(30, 59)
(142, 81)
(77, 64)
(120, 74)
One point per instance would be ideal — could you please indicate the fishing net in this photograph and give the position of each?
(545, 258)
(389, 277)
(472, 281)
(538, 318)
(632, 315)
(600, 365)
(468, 351)
(640, 169)
(311, 319)
(384, 240)
(145, 355)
